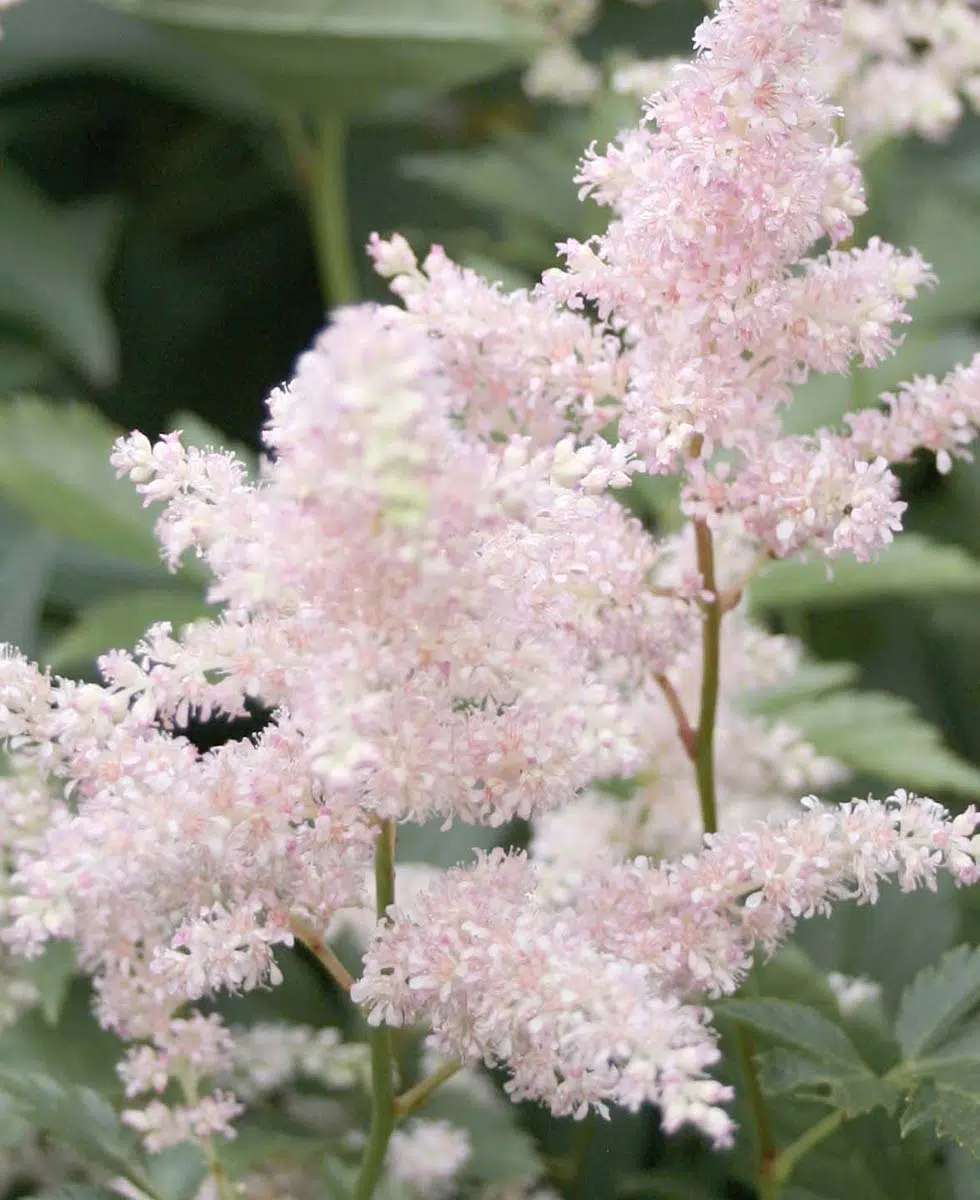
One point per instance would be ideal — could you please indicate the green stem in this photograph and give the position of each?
(766, 1152)
(704, 762)
(782, 1167)
(330, 216)
(379, 1040)
(322, 952)
(416, 1096)
(216, 1168)
(704, 765)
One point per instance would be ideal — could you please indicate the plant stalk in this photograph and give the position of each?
(704, 765)
(379, 1039)
(330, 213)
(784, 1164)
(322, 952)
(416, 1096)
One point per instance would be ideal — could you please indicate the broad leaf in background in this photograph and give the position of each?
(938, 1000)
(347, 55)
(881, 735)
(27, 558)
(54, 465)
(912, 565)
(51, 277)
(824, 399)
(51, 973)
(873, 733)
(79, 1118)
(118, 622)
(60, 37)
(819, 1058)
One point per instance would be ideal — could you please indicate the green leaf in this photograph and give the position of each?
(857, 1091)
(912, 565)
(77, 1117)
(47, 281)
(889, 942)
(27, 559)
(54, 464)
(949, 1099)
(937, 1000)
(72, 37)
(348, 54)
(798, 1026)
(52, 974)
(74, 1050)
(824, 1063)
(501, 1151)
(177, 1173)
(877, 734)
(523, 177)
(824, 399)
(118, 622)
(432, 844)
(809, 681)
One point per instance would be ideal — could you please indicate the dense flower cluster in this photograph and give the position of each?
(432, 594)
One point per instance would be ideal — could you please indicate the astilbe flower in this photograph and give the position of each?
(427, 1156)
(437, 627)
(906, 66)
(599, 1000)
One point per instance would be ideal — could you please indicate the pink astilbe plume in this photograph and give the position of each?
(599, 1000)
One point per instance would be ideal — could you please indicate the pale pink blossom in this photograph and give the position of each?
(427, 1156)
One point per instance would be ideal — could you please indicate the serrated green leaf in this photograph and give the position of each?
(822, 1062)
(47, 282)
(937, 1000)
(52, 974)
(118, 622)
(54, 464)
(855, 1092)
(949, 1099)
(346, 55)
(796, 1025)
(79, 1118)
(881, 735)
(912, 565)
(74, 1050)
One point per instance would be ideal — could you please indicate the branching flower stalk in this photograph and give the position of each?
(383, 1114)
